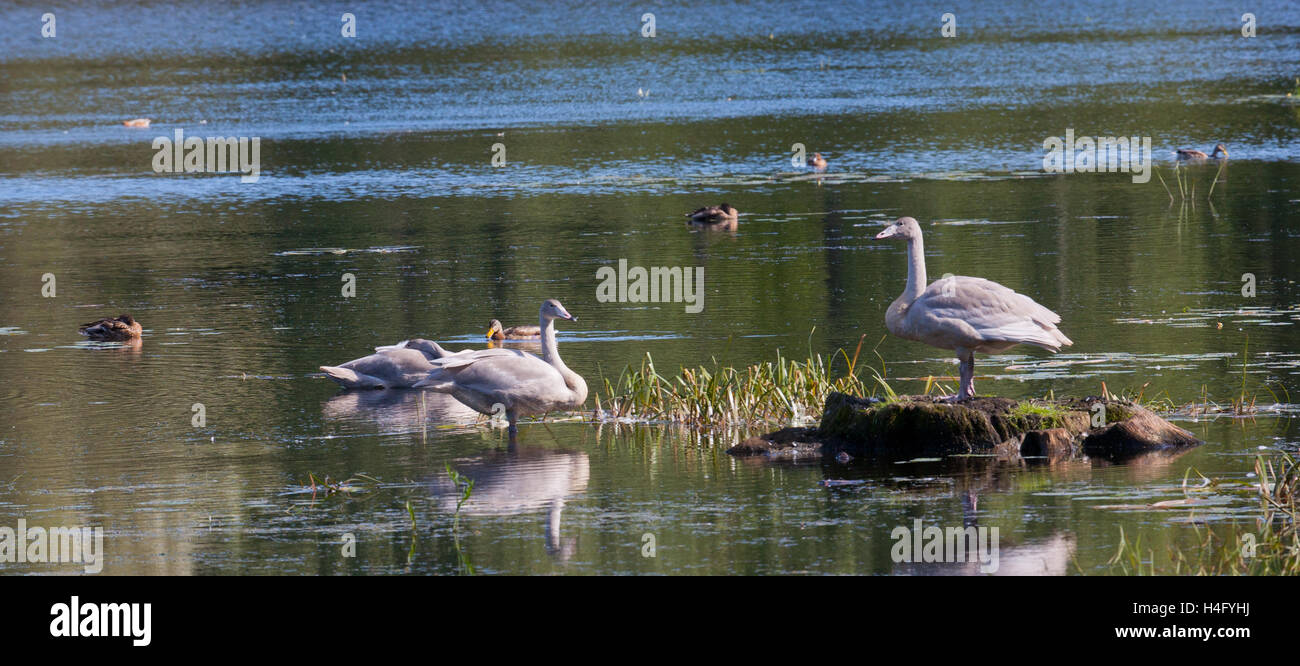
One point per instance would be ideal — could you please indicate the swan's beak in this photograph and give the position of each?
(891, 230)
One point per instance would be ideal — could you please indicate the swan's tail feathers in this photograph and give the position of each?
(1029, 333)
(348, 378)
(1060, 337)
(1051, 339)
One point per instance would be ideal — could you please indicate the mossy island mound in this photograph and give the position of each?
(926, 426)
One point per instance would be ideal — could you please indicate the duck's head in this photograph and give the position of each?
(904, 227)
(728, 208)
(551, 309)
(1220, 149)
(126, 319)
(494, 330)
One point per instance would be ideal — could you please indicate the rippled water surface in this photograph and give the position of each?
(376, 161)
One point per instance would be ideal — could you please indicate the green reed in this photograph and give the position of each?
(780, 391)
(1272, 548)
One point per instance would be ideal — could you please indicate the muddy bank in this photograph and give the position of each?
(926, 426)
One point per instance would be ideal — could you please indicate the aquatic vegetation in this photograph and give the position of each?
(1272, 548)
(354, 484)
(783, 391)
(465, 487)
(1186, 186)
(1052, 415)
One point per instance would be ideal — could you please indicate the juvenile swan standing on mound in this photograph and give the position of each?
(490, 380)
(394, 366)
(964, 314)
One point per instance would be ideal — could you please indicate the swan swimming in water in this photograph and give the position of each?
(964, 314)
(393, 366)
(516, 382)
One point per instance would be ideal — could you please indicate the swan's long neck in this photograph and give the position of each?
(915, 270)
(551, 354)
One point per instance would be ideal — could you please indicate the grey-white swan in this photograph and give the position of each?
(964, 314)
(395, 366)
(512, 382)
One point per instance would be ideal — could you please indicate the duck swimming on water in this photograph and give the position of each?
(724, 212)
(964, 314)
(496, 332)
(1187, 154)
(112, 330)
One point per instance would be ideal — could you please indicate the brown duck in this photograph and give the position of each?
(496, 332)
(711, 214)
(1187, 154)
(113, 330)
(817, 161)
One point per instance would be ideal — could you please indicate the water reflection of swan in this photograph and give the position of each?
(508, 483)
(1043, 557)
(398, 410)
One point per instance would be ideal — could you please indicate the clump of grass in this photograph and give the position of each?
(1050, 415)
(781, 391)
(1272, 549)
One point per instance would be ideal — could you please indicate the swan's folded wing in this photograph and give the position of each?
(462, 359)
(989, 311)
(489, 370)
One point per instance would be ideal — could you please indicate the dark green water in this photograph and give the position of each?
(388, 177)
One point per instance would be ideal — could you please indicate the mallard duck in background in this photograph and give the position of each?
(711, 214)
(817, 161)
(121, 329)
(1187, 154)
(496, 332)
(137, 122)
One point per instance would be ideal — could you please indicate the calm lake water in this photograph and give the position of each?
(376, 160)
